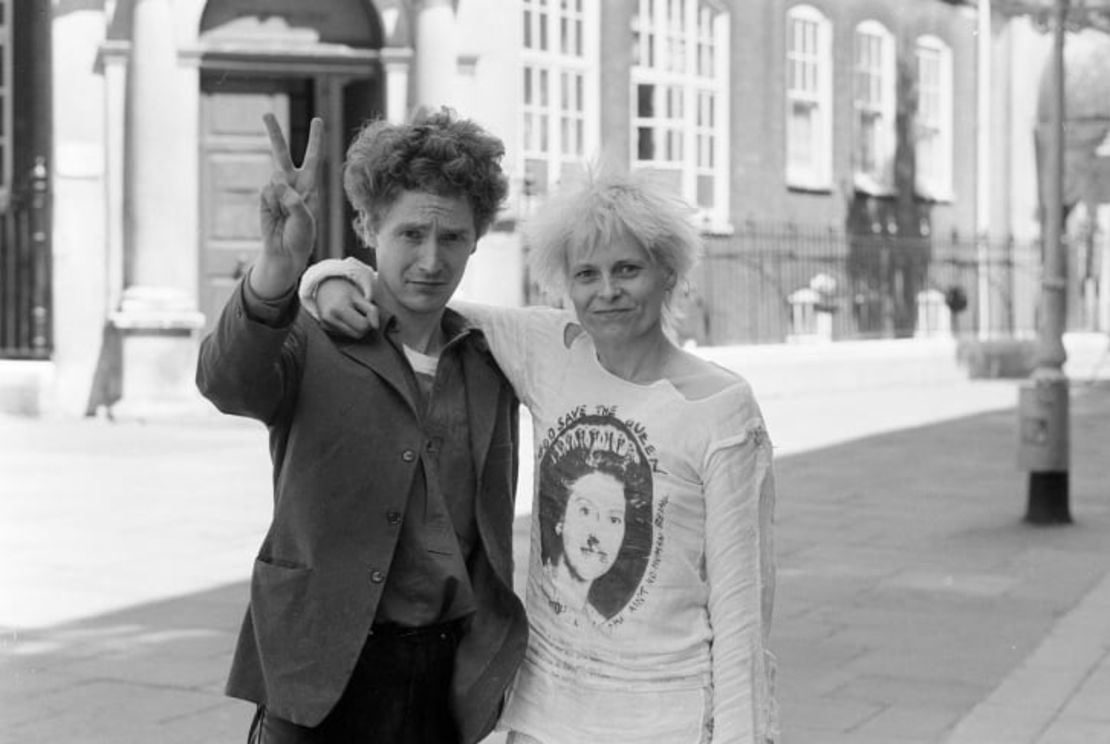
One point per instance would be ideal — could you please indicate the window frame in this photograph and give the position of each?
(938, 185)
(879, 103)
(817, 174)
(558, 90)
(681, 64)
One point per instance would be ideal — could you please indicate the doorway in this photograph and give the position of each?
(235, 164)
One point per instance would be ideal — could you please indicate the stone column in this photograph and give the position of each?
(157, 318)
(396, 63)
(436, 54)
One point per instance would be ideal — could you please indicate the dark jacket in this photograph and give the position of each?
(345, 443)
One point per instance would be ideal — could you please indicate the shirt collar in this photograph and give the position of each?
(456, 328)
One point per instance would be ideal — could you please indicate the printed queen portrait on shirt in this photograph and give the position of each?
(595, 496)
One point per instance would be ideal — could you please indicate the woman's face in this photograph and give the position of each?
(617, 291)
(593, 526)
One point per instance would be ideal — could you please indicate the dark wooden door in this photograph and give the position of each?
(235, 164)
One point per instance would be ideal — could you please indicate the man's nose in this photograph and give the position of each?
(428, 257)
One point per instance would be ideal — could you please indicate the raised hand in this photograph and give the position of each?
(285, 212)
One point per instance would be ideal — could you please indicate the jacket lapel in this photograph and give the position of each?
(482, 387)
(374, 351)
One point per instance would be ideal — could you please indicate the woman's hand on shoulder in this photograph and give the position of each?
(339, 294)
(342, 308)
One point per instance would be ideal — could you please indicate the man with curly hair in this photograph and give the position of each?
(381, 601)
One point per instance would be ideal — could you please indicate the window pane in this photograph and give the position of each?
(645, 143)
(645, 101)
(527, 29)
(705, 191)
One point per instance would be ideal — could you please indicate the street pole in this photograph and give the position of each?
(1043, 403)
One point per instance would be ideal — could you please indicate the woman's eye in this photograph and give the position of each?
(627, 270)
(584, 275)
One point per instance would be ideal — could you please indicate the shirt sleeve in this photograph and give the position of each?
(350, 268)
(517, 336)
(521, 339)
(740, 496)
(276, 312)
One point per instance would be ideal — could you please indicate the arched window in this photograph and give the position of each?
(679, 94)
(808, 98)
(874, 89)
(933, 119)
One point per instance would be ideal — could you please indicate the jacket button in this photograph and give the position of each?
(377, 576)
(393, 517)
(408, 455)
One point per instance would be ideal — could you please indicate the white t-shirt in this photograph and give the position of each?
(651, 572)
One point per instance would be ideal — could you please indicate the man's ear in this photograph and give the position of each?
(364, 228)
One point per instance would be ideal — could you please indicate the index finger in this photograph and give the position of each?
(278, 147)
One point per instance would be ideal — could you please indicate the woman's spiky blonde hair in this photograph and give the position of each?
(603, 206)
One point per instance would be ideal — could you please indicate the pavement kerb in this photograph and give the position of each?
(1031, 697)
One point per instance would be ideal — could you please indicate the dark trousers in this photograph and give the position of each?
(398, 694)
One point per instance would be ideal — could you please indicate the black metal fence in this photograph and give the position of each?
(770, 283)
(25, 280)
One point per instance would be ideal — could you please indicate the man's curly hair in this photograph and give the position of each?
(437, 153)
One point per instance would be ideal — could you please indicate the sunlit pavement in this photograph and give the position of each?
(913, 605)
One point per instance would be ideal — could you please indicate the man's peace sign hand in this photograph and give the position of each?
(285, 212)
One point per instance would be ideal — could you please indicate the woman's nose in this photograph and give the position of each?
(609, 286)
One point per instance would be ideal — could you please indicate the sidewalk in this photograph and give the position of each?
(913, 605)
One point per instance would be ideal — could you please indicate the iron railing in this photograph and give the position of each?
(750, 284)
(25, 279)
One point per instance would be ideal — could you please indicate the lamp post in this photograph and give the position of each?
(1043, 399)
(1043, 404)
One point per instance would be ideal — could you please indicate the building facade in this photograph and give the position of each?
(854, 119)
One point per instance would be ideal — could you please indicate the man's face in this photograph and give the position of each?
(593, 526)
(422, 243)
